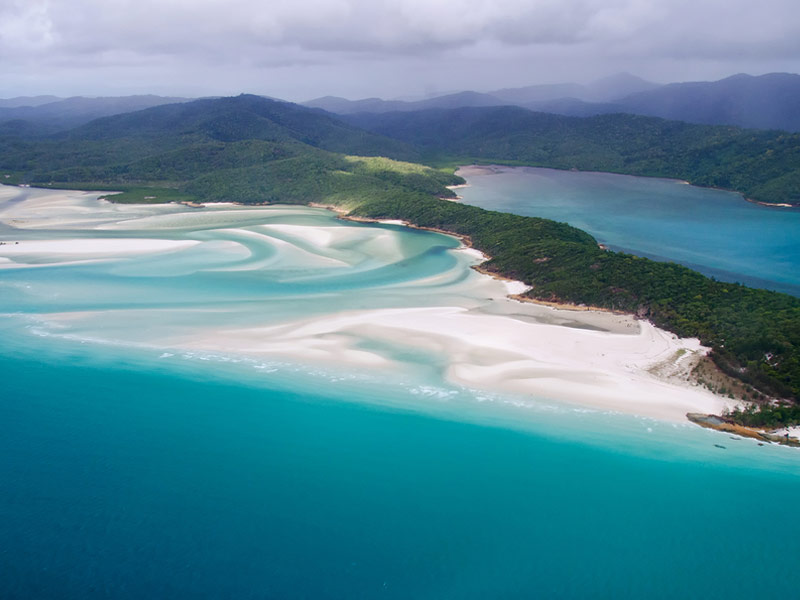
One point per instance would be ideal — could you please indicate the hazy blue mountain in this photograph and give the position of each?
(71, 112)
(343, 106)
(566, 98)
(538, 93)
(614, 87)
(572, 107)
(765, 102)
(460, 100)
(27, 101)
(602, 90)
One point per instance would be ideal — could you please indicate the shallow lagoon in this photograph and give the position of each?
(715, 232)
(131, 471)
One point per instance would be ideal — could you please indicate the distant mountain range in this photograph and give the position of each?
(50, 113)
(27, 101)
(598, 91)
(758, 102)
(764, 102)
(342, 106)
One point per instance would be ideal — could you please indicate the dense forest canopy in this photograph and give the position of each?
(762, 165)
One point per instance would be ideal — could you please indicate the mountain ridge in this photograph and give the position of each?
(768, 101)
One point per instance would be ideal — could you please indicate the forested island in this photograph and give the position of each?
(255, 151)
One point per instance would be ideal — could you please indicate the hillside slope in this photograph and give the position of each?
(762, 165)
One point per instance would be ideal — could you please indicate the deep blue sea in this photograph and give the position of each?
(715, 232)
(130, 471)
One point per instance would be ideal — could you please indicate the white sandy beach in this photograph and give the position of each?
(603, 370)
(480, 338)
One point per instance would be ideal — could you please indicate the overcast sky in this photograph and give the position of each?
(301, 49)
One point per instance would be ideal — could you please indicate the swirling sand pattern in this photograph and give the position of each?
(296, 283)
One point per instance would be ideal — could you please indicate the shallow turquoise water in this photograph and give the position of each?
(715, 232)
(132, 469)
(124, 478)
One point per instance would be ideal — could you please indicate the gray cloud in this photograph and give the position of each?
(352, 43)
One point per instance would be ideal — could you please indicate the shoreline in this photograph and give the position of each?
(689, 381)
(784, 436)
(467, 243)
(485, 340)
(493, 168)
(768, 204)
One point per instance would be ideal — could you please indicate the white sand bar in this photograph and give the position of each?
(496, 352)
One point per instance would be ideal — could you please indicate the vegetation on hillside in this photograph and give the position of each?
(762, 165)
(767, 416)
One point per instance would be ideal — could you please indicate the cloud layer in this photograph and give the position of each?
(240, 41)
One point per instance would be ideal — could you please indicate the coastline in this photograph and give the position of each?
(768, 204)
(485, 341)
(493, 168)
(666, 370)
(785, 437)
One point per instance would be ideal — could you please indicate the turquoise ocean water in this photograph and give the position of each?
(131, 467)
(715, 232)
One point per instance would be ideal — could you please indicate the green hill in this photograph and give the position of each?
(170, 145)
(762, 165)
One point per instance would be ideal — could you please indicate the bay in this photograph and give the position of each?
(715, 232)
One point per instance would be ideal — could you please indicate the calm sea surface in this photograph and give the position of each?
(717, 233)
(128, 470)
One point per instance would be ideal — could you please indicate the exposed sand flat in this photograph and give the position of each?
(474, 253)
(591, 368)
(316, 236)
(32, 208)
(350, 245)
(289, 255)
(516, 288)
